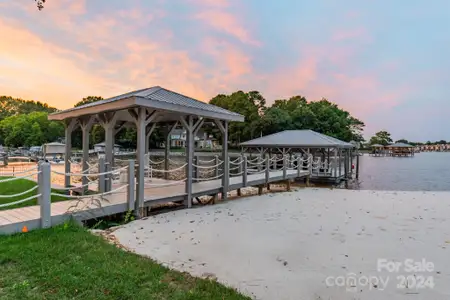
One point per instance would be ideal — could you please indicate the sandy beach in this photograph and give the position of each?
(309, 244)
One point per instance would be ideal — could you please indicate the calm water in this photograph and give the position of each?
(427, 171)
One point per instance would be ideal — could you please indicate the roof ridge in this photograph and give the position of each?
(195, 100)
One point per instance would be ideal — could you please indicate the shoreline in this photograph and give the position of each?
(286, 245)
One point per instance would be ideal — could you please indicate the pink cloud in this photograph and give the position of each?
(228, 23)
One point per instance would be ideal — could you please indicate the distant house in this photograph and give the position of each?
(53, 149)
(201, 140)
(100, 148)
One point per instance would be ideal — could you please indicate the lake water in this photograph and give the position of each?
(426, 171)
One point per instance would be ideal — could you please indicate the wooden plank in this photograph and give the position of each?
(13, 216)
(4, 221)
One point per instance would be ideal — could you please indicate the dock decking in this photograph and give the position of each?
(13, 220)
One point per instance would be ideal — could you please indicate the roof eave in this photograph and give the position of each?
(295, 146)
(94, 109)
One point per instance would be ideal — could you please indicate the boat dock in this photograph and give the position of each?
(122, 196)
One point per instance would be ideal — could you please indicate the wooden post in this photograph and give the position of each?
(140, 190)
(131, 186)
(167, 153)
(101, 178)
(299, 166)
(267, 168)
(69, 127)
(288, 185)
(244, 172)
(275, 162)
(260, 189)
(86, 125)
(45, 192)
(189, 127)
(357, 167)
(340, 163)
(225, 164)
(346, 164)
(285, 164)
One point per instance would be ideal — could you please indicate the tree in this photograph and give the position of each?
(322, 116)
(382, 137)
(403, 141)
(12, 106)
(251, 105)
(31, 129)
(87, 100)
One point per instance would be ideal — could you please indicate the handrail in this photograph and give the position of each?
(20, 177)
(91, 195)
(20, 201)
(20, 194)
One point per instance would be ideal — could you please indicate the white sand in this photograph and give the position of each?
(285, 245)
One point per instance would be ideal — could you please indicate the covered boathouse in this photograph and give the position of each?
(328, 158)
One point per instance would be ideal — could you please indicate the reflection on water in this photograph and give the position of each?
(427, 171)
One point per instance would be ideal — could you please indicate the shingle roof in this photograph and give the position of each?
(160, 98)
(297, 139)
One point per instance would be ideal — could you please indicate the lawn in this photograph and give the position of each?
(67, 262)
(18, 186)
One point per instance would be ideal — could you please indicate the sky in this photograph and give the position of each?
(383, 61)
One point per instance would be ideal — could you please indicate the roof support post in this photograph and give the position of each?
(188, 124)
(69, 125)
(223, 127)
(142, 117)
(340, 162)
(86, 125)
(141, 126)
(108, 121)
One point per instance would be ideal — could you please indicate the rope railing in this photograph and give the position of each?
(117, 171)
(236, 163)
(208, 178)
(168, 171)
(207, 167)
(20, 177)
(207, 161)
(21, 172)
(72, 188)
(156, 162)
(19, 201)
(90, 195)
(19, 194)
(235, 160)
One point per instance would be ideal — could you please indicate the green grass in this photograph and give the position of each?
(67, 262)
(18, 186)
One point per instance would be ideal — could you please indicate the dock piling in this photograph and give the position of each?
(45, 192)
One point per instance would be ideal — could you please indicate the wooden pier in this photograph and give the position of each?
(122, 198)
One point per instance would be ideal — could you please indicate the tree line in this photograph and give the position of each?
(384, 138)
(25, 123)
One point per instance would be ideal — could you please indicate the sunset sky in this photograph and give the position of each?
(387, 62)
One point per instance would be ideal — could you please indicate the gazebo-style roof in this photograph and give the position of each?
(400, 145)
(297, 139)
(145, 109)
(168, 103)
(377, 146)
